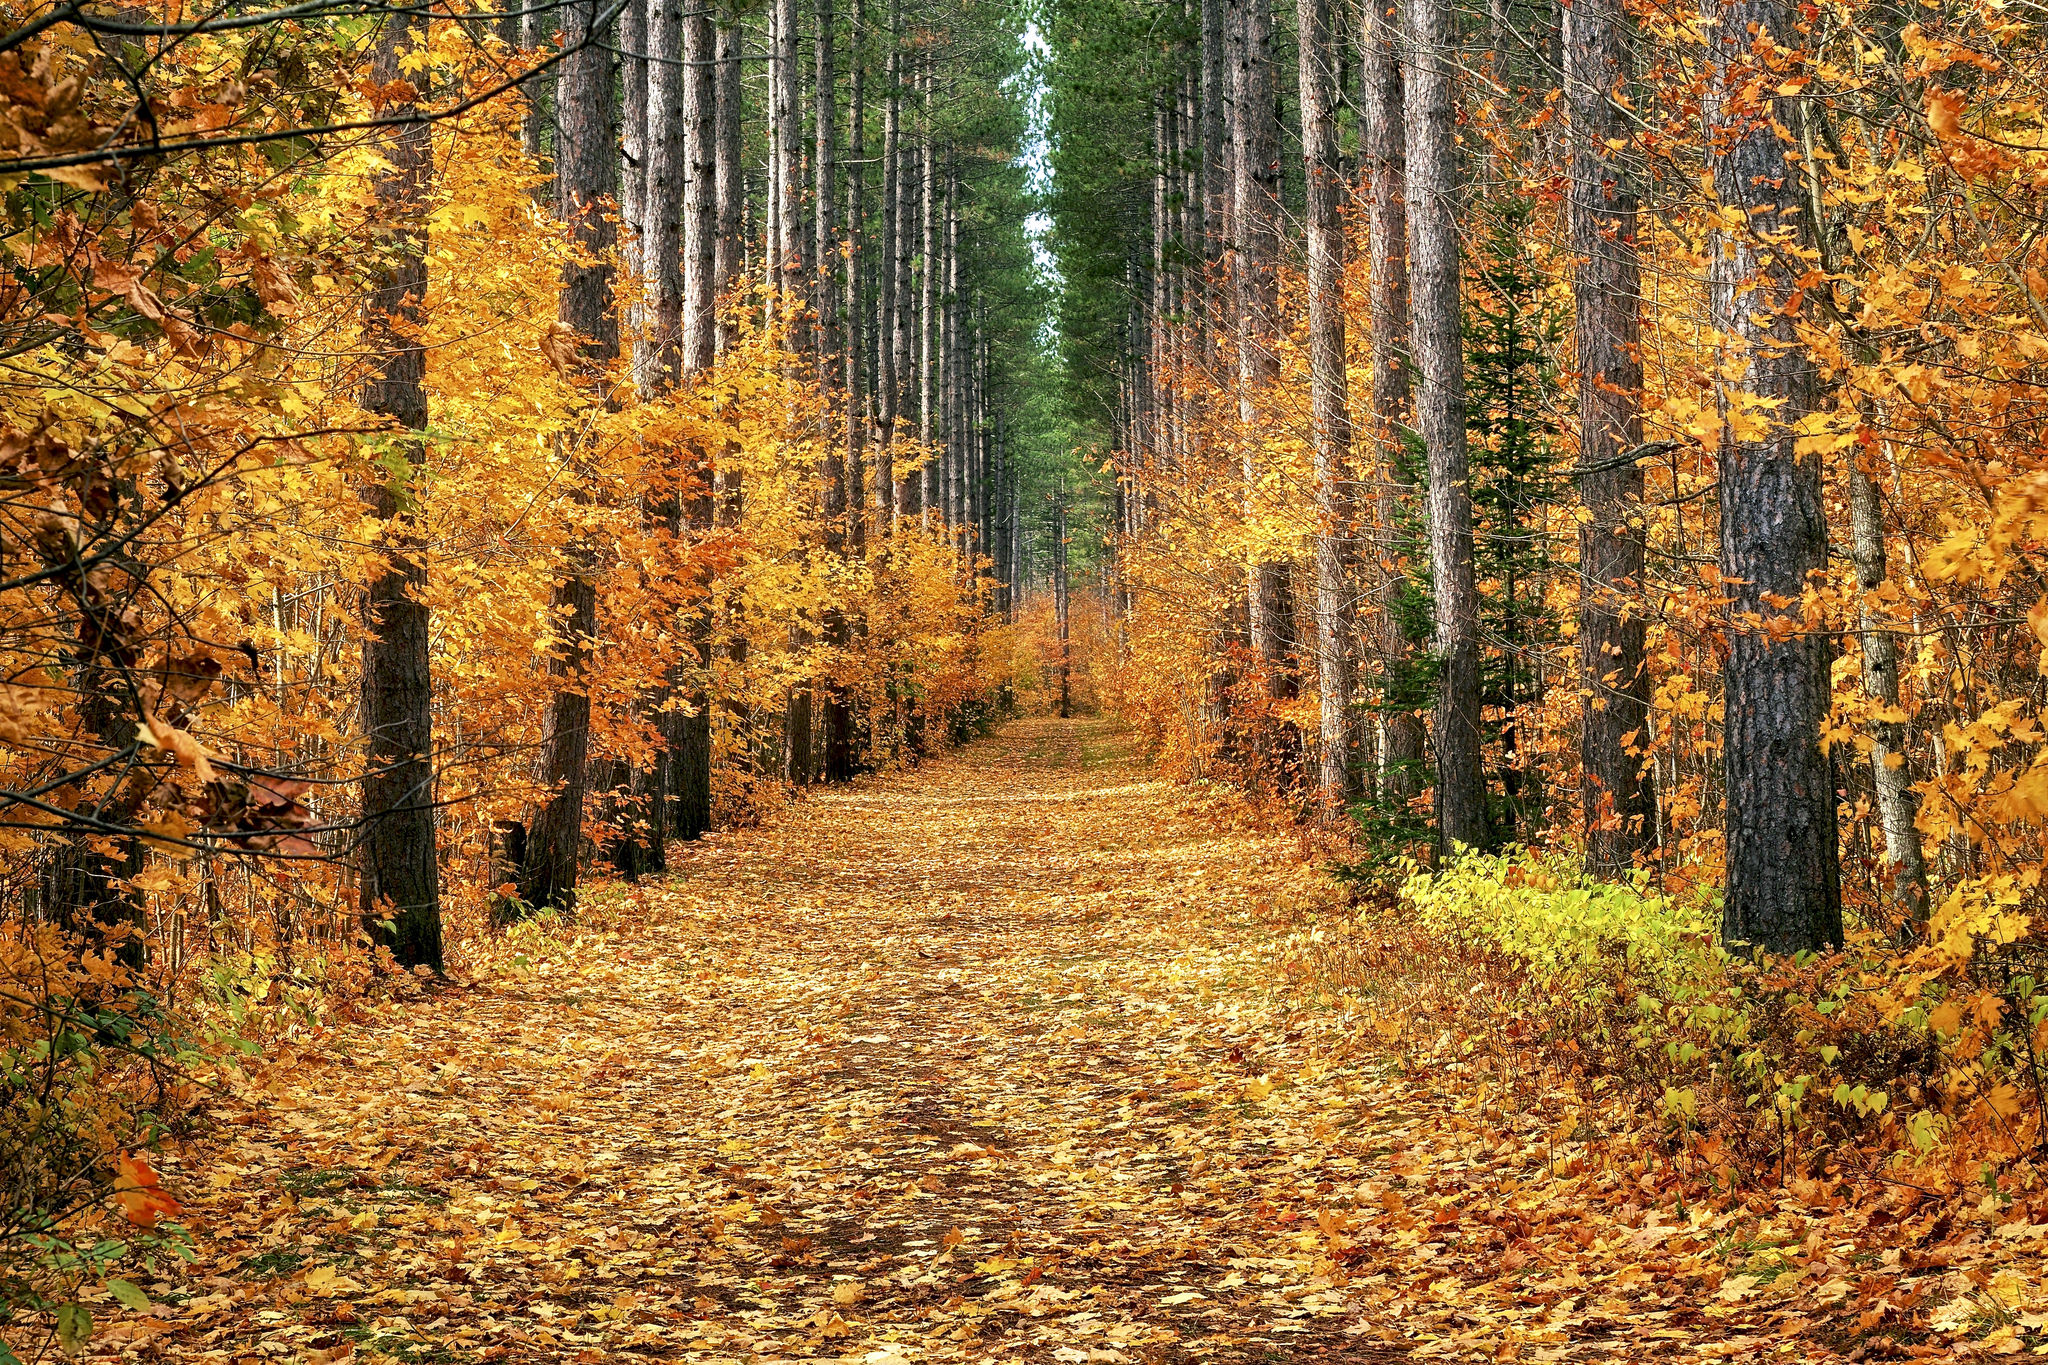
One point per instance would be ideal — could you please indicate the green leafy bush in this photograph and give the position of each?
(1575, 933)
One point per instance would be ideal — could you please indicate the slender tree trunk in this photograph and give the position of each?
(903, 329)
(927, 309)
(953, 371)
(1784, 890)
(400, 881)
(728, 263)
(689, 772)
(1607, 286)
(855, 310)
(1063, 607)
(789, 163)
(1438, 340)
(1897, 803)
(586, 167)
(638, 805)
(825, 229)
(1256, 144)
(1215, 163)
(1329, 390)
(888, 324)
(1386, 151)
(633, 171)
(537, 31)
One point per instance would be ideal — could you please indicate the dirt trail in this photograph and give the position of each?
(963, 1064)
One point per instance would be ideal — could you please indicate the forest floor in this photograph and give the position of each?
(997, 1060)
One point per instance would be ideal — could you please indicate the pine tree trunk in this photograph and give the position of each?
(1063, 609)
(1784, 888)
(1386, 152)
(400, 881)
(824, 226)
(927, 312)
(951, 368)
(1329, 391)
(728, 260)
(1607, 286)
(1438, 342)
(888, 324)
(903, 326)
(638, 804)
(1215, 162)
(788, 253)
(585, 171)
(854, 313)
(1256, 153)
(633, 169)
(689, 771)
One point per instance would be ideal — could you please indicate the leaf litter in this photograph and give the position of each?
(996, 1060)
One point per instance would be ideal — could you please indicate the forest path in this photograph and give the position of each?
(988, 1061)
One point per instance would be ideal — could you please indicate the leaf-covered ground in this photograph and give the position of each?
(995, 1061)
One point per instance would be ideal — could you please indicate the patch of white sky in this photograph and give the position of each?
(1035, 157)
(1028, 84)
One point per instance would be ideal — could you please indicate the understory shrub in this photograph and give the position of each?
(1922, 1052)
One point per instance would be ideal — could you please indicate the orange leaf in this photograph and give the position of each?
(141, 1197)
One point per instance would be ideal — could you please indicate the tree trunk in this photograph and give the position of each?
(1438, 342)
(1897, 803)
(633, 168)
(400, 882)
(788, 254)
(951, 368)
(927, 309)
(1256, 150)
(641, 796)
(1329, 390)
(1607, 287)
(903, 327)
(854, 313)
(1386, 151)
(1063, 607)
(728, 262)
(1784, 890)
(585, 170)
(888, 324)
(689, 771)
(1215, 165)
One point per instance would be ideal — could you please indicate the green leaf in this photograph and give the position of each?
(74, 1327)
(129, 1295)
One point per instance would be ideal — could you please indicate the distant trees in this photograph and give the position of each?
(1313, 325)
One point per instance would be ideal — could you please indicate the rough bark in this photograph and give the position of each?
(854, 310)
(658, 354)
(400, 880)
(585, 173)
(928, 307)
(633, 164)
(888, 323)
(1386, 152)
(728, 261)
(1329, 391)
(1784, 889)
(689, 771)
(1607, 287)
(788, 253)
(1215, 167)
(1255, 140)
(1438, 345)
